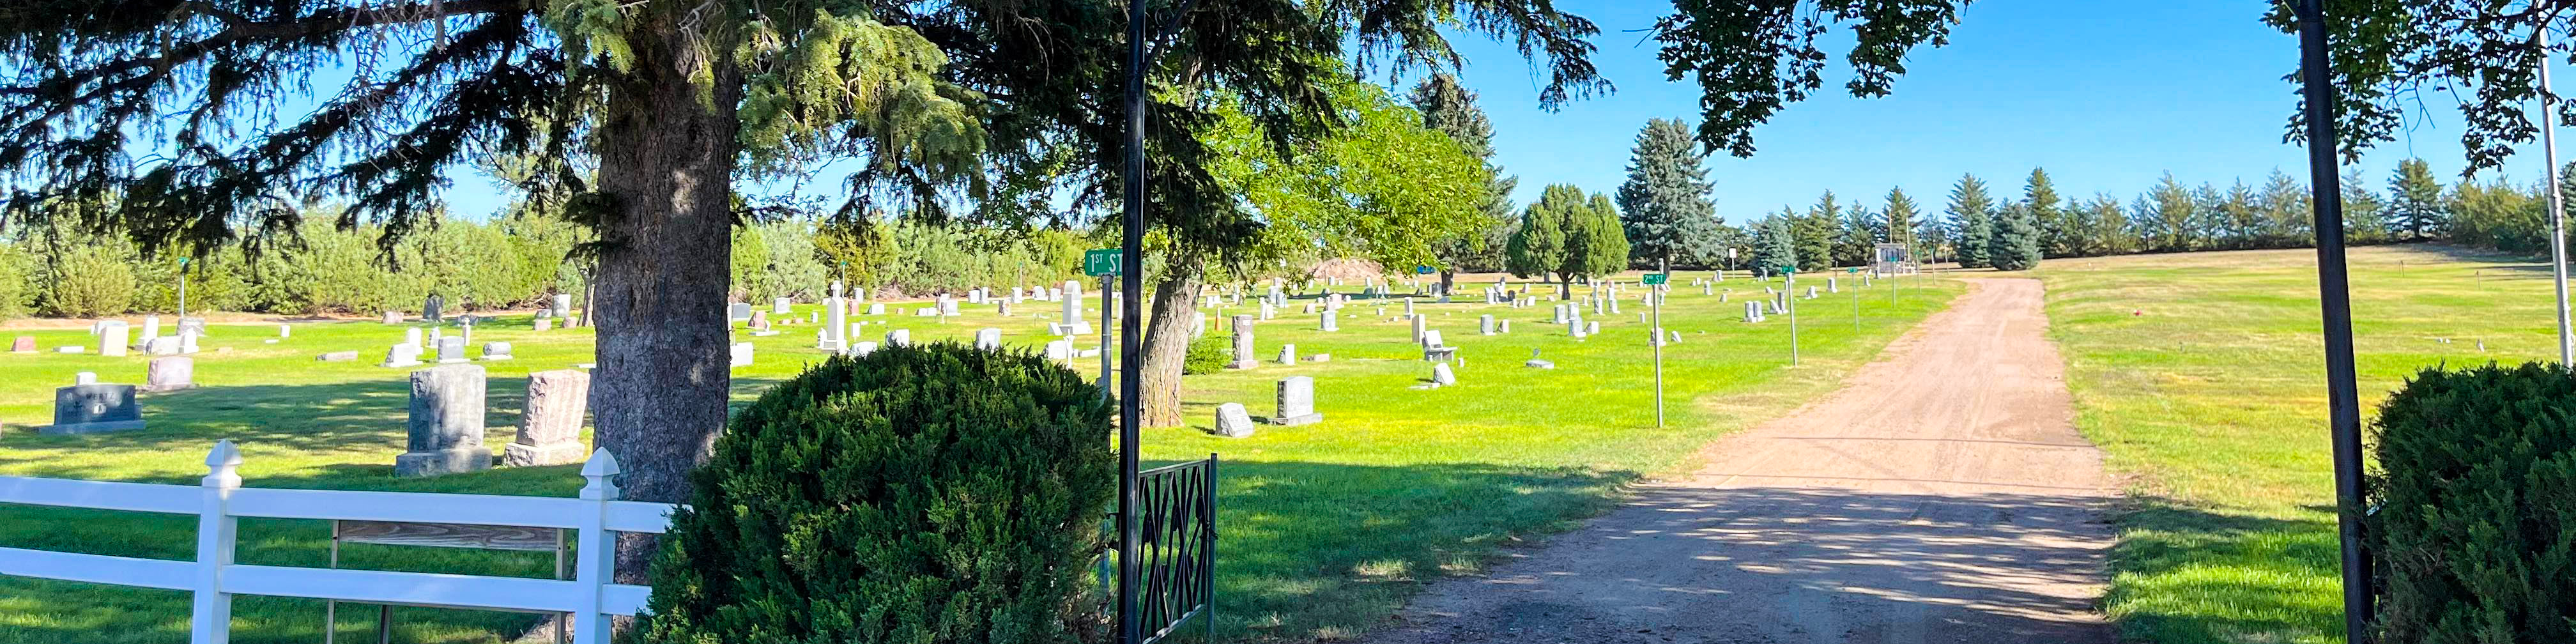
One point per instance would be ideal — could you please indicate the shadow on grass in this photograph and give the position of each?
(2189, 575)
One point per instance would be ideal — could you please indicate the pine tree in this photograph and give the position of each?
(1814, 233)
(2106, 227)
(1900, 215)
(1775, 243)
(1664, 204)
(1856, 239)
(2016, 239)
(2238, 222)
(1450, 108)
(2172, 210)
(2415, 205)
(2286, 220)
(2365, 214)
(2057, 230)
(1972, 209)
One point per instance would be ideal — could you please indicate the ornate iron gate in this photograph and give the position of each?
(1176, 560)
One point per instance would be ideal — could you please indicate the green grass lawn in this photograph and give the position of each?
(2202, 376)
(1325, 528)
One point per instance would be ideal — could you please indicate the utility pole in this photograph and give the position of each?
(2334, 290)
(1789, 293)
(2557, 205)
(1655, 294)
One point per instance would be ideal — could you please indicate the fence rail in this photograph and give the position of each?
(1178, 565)
(219, 501)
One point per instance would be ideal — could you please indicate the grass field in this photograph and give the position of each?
(2202, 376)
(1326, 528)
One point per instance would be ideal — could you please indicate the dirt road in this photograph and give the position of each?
(1942, 495)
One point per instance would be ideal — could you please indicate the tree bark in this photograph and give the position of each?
(1167, 344)
(1564, 286)
(667, 151)
(1447, 277)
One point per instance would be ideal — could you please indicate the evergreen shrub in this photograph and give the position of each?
(2474, 527)
(923, 494)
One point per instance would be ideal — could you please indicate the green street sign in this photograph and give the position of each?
(1102, 261)
(1654, 279)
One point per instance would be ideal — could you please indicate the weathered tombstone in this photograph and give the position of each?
(550, 426)
(1418, 322)
(760, 320)
(1242, 343)
(1072, 301)
(947, 306)
(563, 304)
(898, 338)
(337, 356)
(1002, 308)
(741, 354)
(496, 350)
(446, 423)
(1574, 329)
(24, 344)
(70, 349)
(429, 308)
(151, 328)
(1592, 327)
(412, 336)
(111, 339)
(1287, 354)
(737, 312)
(837, 319)
(188, 341)
(1442, 376)
(285, 331)
(1503, 326)
(988, 339)
(451, 349)
(93, 408)
(1811, 291)
(863, 348)
(1329, 323)
(876, 308)
(170, 373)
(780, 305)
(85, 378)
(1059, 350)
(1431, 338)
(543, 324)
(1232, 421)
(1485, 325)
(1752, 312)
(1535, 363)
(402, 354)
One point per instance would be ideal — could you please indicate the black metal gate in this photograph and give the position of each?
(1175, 563)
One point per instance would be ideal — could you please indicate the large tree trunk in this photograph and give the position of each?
(1564, 286)
(1167, 343)
(666, 159)
(1448, 277)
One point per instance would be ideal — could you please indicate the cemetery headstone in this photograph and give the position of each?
(24, 344)
(898, 338)
(1535, 363)
(429, 308)
(402, 354)
(151, 328)
(737, 312)
(550, 426)
(337, 356)
(863, 348)
(92, 408)
(741, 354)
(111, 339)
(563, 304)
(446, 423)
(496, 350)
(988, 339)
(1485, 325)
(1232, 421)
(1243, 343)
(1442, 376)
(1287, 354)
(1296, 402)
(1329, 324)
(85, 378)
(1059, 350)
(451, 349)
(780, 305)
(170, 373)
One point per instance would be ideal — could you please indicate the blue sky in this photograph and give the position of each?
(2105, 95)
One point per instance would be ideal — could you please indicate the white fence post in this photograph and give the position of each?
(211, 620)
(595, 549)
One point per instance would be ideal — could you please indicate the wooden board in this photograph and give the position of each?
(450, 535)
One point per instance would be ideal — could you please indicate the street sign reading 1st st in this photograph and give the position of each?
(1654, 279)
(1101, 261)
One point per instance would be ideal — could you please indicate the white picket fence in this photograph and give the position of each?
(219, 500)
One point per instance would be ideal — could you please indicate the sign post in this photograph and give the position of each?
(183, 287)
(1789, 284)
(1856, 301)
(1103, 263)
(1654, 283)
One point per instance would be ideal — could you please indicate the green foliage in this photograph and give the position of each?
(1751, 59)
(1450, 108)
(1207, 354)
(1385, 187)
(1971, 210)
(15, 291)
(89, 280)
(2016, 245)
(1664, 204)
(1538, 247)
(932, 493)
(2415, 205)
(1813, 233)
(2476, 490)
(1856, 237)
(1595, 244)
(2058, 232)
(1774, 244)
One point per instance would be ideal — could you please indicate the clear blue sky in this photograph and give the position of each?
(2105, 95)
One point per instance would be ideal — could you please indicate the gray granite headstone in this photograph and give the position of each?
(1442, 376)
(451, 349)
(429, 309)
(446, 423)
(740, 354)
(170, 373)
(496, 350)
(1242, 327)
(402, 354)
(112, 339)
(94, 408)
(1232, 421)
(550, 426)
(988, 339)
(1296, 402)
(85, 377)
(337, 356)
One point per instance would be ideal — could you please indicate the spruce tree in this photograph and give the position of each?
(2365, 214)
(1664, 204)
(1856, 239)
(1775, 243)
(1972, 210)
(2172, 207)
(2016, 245)
(2057, 230)
(1901, 214)
(1450, 108)
(1814, 233)
(2415, 205)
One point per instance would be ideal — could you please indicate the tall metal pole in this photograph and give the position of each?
(1106, 315)
(2557, 205)
(2343, 404)
(1789, 289)
(1131, 268)
(1655, 294)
